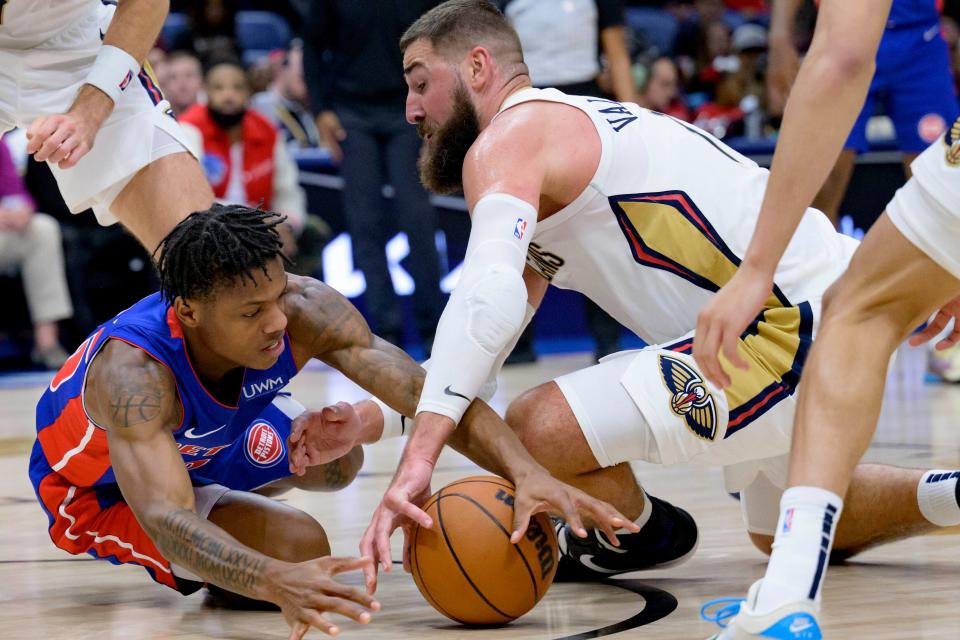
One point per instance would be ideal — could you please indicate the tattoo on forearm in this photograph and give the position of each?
(188, 540)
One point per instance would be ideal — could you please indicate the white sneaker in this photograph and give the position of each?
(793, 621)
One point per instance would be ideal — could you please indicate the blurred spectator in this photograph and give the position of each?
(660, 89)
(694, 26)
(211, 32)
(285, 103)
(245, 160)
(30, 243)
(261, 73)
(354, 73)
(562, 46)
(723, 116)
(913, 82)
(157, 59)
(184, 81)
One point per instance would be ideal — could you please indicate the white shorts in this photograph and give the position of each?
(44, 80)
(655, 405)
(926, 210)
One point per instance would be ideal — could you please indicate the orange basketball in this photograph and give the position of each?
(465, 565)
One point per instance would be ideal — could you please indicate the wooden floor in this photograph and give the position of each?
(905, 590)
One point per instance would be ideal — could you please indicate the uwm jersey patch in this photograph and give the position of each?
(667, 231)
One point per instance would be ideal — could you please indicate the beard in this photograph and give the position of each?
(226, 119)
(441, 162)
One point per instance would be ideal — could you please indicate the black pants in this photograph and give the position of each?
(381, 148)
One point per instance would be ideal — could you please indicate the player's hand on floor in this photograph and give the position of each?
(539, 491)
(724, 319)
(319, 437)
(949, 311)
(400, 508)
(306, 590)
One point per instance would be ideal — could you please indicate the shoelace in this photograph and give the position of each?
(726, 609)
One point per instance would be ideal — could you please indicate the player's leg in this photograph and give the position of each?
(835, 186)
(273, 528)
(584, 428)
(160, 195)
(883, 504)
(890, 287)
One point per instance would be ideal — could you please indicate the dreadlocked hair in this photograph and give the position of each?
(225, 243)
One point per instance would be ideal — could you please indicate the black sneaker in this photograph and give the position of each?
(669, 538)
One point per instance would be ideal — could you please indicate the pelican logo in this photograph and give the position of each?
(691, 400)
(952, 142)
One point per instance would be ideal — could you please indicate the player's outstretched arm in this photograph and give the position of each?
(64, 139)
(824, 102)
(339, 336)
(135, 399)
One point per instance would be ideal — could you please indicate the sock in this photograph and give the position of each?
(644, 516)
(801, 549)
(938, 496)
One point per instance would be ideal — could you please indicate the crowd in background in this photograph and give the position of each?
(258, 84)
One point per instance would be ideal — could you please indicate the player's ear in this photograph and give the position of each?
(187, 312)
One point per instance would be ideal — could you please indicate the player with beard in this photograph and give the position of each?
(647, 216)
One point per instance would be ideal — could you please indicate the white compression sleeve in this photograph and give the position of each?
(487, 308)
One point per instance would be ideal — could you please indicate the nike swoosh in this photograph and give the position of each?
(931, 33)
(587, 561)
(801, 628)
(190, 434)
(606, 545)
(451, 392)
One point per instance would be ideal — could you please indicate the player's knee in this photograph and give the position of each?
(523, 413)
(496, 305)
(303, 539)
(762, 542)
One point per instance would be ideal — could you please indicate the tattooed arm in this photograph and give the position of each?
(331, 329)
(134, 398)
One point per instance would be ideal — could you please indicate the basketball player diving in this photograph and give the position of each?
(72, 73)
(158, 438)
(647, 216)
(906, 269)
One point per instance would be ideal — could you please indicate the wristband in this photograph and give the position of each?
(112, 71)
(394, 422)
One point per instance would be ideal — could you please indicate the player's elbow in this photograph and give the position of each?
(495, 308)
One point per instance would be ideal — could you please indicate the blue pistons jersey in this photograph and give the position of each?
(241, 446)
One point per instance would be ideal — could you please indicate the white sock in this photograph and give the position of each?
(644, 516)
(801, 549)
(938, 496)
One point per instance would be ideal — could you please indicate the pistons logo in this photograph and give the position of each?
(690, 399)
(264, 445)
(952, 142)
(930, 127)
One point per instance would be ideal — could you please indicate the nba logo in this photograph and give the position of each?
(787, 521)
(520, 228)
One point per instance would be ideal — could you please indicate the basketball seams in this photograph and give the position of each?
(416, 571)
(456, 559)
(516, 547)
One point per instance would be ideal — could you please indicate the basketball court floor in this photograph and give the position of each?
(905, 590)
